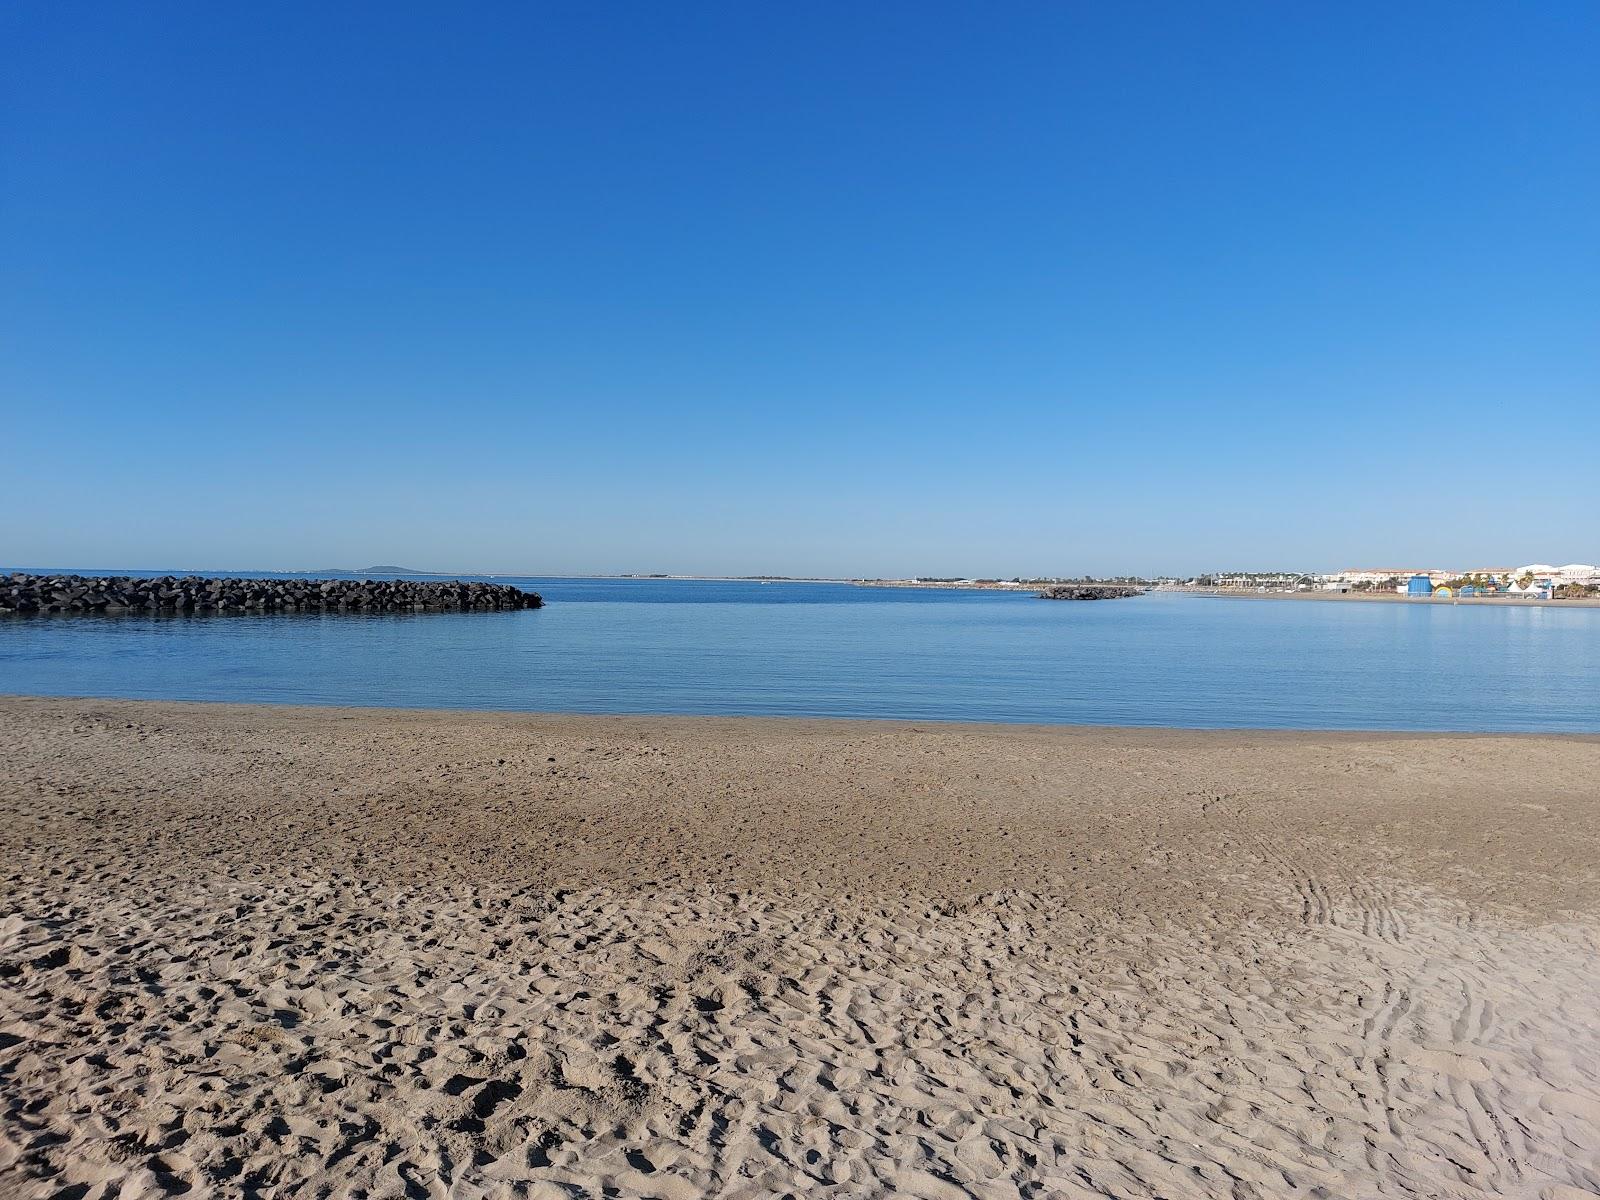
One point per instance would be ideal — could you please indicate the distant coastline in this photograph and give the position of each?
(1380, 598)
(1030, 586)
(991, 585)
(341, 573)
(954, 585)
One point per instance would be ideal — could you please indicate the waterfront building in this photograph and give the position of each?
(1583, 573)
(1373, 575)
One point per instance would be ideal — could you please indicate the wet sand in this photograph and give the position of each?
(273, 952)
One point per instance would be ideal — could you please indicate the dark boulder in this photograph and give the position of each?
(1090, 591)
(21, 593)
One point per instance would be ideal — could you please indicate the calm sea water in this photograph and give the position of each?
(818, 649)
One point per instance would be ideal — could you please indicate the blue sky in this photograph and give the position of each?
(805, 289)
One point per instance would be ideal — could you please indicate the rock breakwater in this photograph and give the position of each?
(26, 594)
(1090, 591)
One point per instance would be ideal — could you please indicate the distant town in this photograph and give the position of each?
(1535, 581)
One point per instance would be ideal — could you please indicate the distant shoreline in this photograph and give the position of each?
(1380, 598)
(963, 585)
(632, 577)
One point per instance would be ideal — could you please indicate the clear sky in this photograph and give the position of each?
(938, 288)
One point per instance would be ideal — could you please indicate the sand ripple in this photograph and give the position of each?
(173, 1022)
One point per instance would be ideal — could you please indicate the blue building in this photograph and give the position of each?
(1420, 585)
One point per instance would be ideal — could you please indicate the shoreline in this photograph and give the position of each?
(730, 722)
(295, 950)
(1378, 597)
(939, 585)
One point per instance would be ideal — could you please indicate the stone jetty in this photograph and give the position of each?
(22, 593)
(1090, 591)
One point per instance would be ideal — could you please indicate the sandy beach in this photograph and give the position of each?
(279, 952)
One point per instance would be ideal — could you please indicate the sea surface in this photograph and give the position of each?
(838, 650)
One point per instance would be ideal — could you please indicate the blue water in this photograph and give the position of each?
(819, 649)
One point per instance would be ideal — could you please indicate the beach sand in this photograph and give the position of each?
(273, 952)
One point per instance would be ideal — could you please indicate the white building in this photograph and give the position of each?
(1571, 573)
